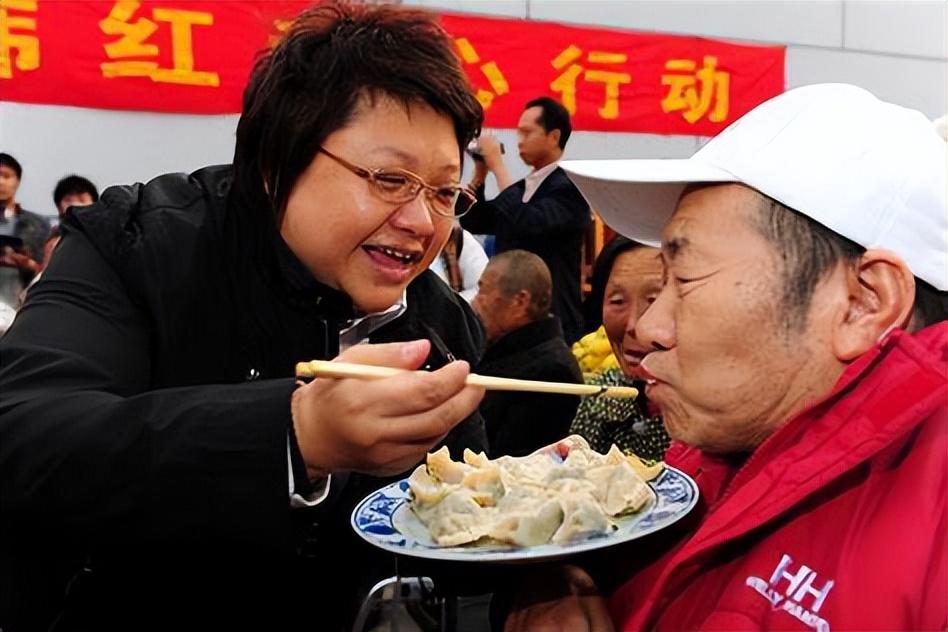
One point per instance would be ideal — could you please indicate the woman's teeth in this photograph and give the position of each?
(395, 254)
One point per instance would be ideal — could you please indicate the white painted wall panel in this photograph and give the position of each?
(108, 147)
(508, 8)
(907, 27)
(596, 145)
(815, 23)
(917, 83)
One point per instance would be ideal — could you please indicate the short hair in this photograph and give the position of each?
(808, 251)
(6, 160)
(522, 270)
(553, 116)
(74, 185)
(334, 57)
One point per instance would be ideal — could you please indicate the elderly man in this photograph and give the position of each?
(800, 359)
(524, 341)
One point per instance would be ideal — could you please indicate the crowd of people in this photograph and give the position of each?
(779, 299)
(27, 238)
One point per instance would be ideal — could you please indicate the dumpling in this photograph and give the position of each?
(619, 488)
(444, 469)
(456, 520)
(425, 489)
(582, 515)
(485, 485)
(476, 459)
(530, 525)
(526, 501)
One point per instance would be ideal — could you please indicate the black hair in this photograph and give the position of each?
(6, 160)
(602, 268)
(808, 251)
(334, 56)
(553, 116)
(74, 185)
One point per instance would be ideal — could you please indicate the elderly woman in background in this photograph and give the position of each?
(627, 276)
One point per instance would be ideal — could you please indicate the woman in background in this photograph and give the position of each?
(629, 276)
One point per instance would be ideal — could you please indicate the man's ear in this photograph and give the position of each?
(881, 298)
(522, 302)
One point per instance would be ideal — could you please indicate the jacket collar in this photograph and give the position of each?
(526, 337)
(880, 397)
(302, 287)
(259, 245)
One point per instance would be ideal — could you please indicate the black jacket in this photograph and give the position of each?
(145, 410)
(552, 225)
(519, 423)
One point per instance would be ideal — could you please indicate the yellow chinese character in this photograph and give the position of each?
(565, 83)
(132, 43)
(694, 92)
(490, 70)
(282, 28)
(26, 46)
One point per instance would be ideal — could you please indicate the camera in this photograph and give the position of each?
(8, 236)
(474, 150)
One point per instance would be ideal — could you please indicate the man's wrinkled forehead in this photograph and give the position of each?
(706, 212)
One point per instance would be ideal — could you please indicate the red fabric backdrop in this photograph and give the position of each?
(193, 56)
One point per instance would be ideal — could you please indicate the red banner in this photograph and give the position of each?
(194, 56)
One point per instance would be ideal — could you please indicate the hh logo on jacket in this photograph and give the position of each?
(796, 591)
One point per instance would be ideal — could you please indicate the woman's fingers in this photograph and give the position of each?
(399, 355)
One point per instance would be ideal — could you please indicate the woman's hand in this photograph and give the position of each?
(564, 601)
(383, 426)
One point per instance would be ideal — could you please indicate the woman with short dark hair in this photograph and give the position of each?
(158, 455)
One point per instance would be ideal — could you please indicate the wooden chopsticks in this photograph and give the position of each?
(321, 368)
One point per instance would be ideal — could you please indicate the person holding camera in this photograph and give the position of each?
(544, 213)
(22, 235)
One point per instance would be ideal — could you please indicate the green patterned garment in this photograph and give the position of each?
(603, 421)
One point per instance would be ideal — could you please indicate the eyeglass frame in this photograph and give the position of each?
(371, 176)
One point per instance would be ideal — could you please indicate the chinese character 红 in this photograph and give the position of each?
(26, 46)
(692, 91)
(132, 43)
(565, 83)
(495, 77)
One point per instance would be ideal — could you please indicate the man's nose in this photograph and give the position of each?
(655, 328)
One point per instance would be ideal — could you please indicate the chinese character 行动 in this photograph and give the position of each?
(495, 77)
(694, 90)
(132, 43)
(26, 46)
(565, 83)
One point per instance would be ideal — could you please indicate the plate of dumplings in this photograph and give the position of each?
(561, 500)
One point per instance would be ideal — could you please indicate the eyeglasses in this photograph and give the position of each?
(400, 186)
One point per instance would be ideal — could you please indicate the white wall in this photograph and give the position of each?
(106, 146)
(897, 49)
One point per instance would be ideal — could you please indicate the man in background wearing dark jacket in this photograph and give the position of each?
(544, 213)
(524, 342)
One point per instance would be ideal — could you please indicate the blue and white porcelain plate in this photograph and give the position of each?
(385, 519)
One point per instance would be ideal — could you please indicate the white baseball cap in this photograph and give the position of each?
(868, 170)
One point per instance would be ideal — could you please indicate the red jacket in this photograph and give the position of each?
(836, 522)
